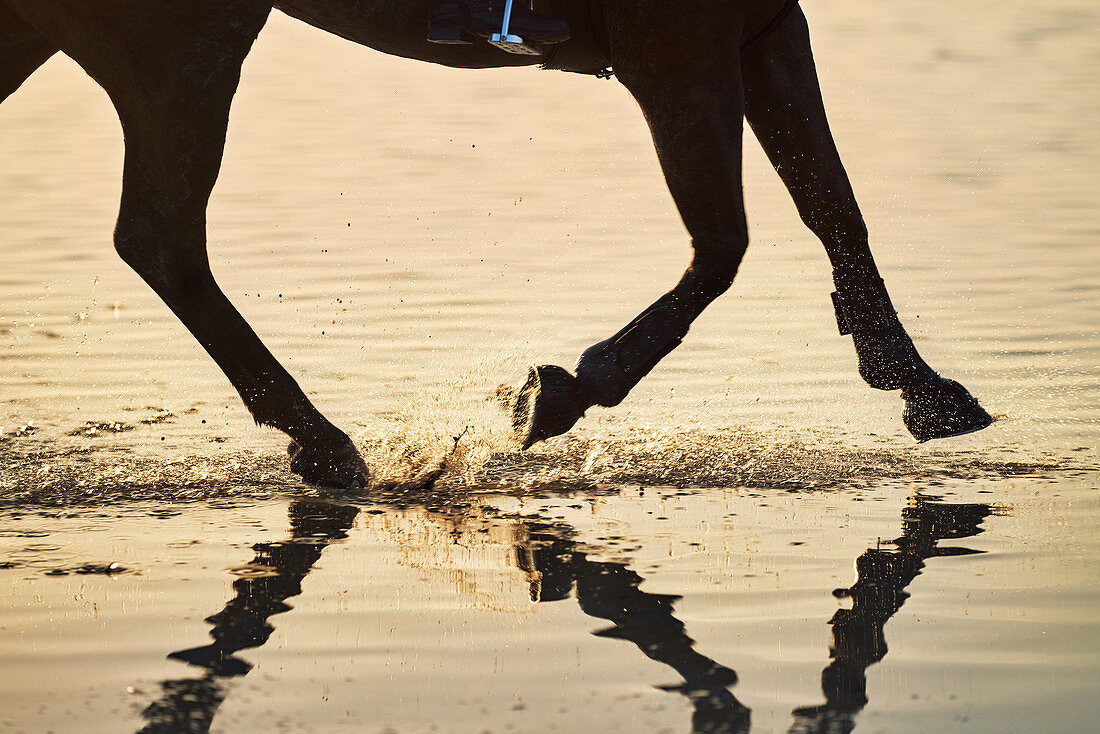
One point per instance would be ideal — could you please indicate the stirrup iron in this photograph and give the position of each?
(510, 42)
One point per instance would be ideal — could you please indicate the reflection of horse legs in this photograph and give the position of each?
(276, 574)
(171, 75)
(280, 568)
(878, 593)
(186, 706)
(784, 108)
(612, 591)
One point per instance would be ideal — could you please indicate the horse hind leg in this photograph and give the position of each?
(22, 51)
(695, 110)
(785, 110)
(172, 90)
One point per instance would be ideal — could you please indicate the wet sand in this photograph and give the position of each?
(404, 238)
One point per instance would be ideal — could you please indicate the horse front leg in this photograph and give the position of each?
(785, 110)
(696, 119)
(171, 75)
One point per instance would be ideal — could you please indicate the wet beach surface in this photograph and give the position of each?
(750, 542)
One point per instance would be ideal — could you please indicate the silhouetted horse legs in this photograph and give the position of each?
(172, 72)
(784, 108)
(188, 705)
(692, 98)
(694, 86)
(786, 113)
(697, 134)
(173, 96)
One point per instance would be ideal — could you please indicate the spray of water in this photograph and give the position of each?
(455, 434)
(453, 428)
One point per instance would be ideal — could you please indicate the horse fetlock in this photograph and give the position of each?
(935, 407)
(601, 380)
(888, 360)
(607, 371)
(714, 267)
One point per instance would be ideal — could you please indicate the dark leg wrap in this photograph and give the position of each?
(887, 358)
(864, 307)
(935, 407)
(607, 371)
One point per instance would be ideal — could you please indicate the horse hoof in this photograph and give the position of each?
(335, 467)
(547, 404)
(941, 408)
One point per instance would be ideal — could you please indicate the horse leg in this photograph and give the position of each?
(172, 75)
(694, 107)
(172, 158)
(785, 110)
(22, 50)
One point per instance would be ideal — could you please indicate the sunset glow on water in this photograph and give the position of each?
(751, 542)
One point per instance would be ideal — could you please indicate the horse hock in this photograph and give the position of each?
(935, 407)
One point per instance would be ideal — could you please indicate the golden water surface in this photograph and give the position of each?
(404, 237)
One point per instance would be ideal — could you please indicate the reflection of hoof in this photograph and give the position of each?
(336, 467)
(710, 676)
(717, 711)
(941, 408)
(210, 657)
(546, 405)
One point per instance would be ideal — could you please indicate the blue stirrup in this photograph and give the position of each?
(510, 42)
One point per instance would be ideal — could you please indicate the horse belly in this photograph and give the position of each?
(396, 27)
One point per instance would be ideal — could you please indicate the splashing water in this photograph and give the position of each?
(458, 434)
(695, 456)
(453, 428)
(474, 452)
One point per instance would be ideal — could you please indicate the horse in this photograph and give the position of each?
(698, 70)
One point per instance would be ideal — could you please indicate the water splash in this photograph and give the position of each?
(456, 434)
(453, 428)
(693, 456)
(47, 475)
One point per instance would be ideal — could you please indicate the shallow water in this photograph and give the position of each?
(404, 238)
